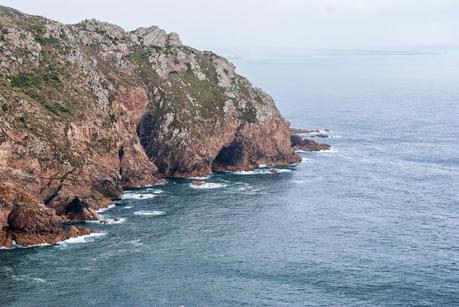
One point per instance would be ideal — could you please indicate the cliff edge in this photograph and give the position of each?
(89, 109)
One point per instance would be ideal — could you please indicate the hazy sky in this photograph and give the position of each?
(259, 26)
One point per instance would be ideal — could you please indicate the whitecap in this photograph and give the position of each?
(106, 209)
(244, 173)
(276, 171)
(208, 185)
(149, 213)
(113, 221)
(28, 278)
(83, 239)
(243, 186)
(135, 243)
(128, 207)
(329, 151)
(263, 171)
(140, 195)
(201, 178)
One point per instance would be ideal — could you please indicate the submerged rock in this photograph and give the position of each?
(198, 183)
(74, 232)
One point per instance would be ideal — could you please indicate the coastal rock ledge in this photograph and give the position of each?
(89, 109)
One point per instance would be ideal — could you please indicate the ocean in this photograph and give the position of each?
(374, 221)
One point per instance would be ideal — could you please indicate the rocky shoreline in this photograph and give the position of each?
(89, 109)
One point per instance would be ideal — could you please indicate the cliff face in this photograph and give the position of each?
(88, 109)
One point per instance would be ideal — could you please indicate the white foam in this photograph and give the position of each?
(208, 185)
(140, 195)
(149, 213)
(83, 239)
(263, 171)
(243, 173)
(201, 178)
(329, 151)
(128, 207)
(243, 186)
(113, 221)
(135, 243)
(106, 209)
(276, 171)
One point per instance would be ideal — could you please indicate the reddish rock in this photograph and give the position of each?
(299, 143)
(30, 224)
(74, 232)
(198, 183)
(106, 111)
(78, 210)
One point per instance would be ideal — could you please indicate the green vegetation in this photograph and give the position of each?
(51, 86)
(47, 41)
(140, 57)
(249, 114)
(57, 108)
(26, 80)
(209, 95)
(36, 26)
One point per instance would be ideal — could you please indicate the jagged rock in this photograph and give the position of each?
(30, 224)
(173, 40)
(299, 143)
(78, 210)
(152, 36)
(4, 213)
(74, 232)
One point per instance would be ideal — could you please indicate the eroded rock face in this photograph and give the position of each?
(88, 109)
(78, 210)
(30, 224)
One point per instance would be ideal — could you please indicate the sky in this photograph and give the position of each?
(273, 26)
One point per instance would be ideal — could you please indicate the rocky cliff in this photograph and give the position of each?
(89, 109)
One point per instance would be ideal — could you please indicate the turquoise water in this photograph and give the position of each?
(375, 221)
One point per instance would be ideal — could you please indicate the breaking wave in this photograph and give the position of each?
(140, 195)
(83, 239)
(149, 213)
(207, 185)
(106, 209)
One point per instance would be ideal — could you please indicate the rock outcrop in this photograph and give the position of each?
(301, 143)
(88, 109)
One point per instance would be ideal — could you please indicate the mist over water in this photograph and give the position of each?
(374, 221)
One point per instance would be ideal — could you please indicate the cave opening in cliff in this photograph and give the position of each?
(229, 156)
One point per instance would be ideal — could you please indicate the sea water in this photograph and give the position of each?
(374, 221)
